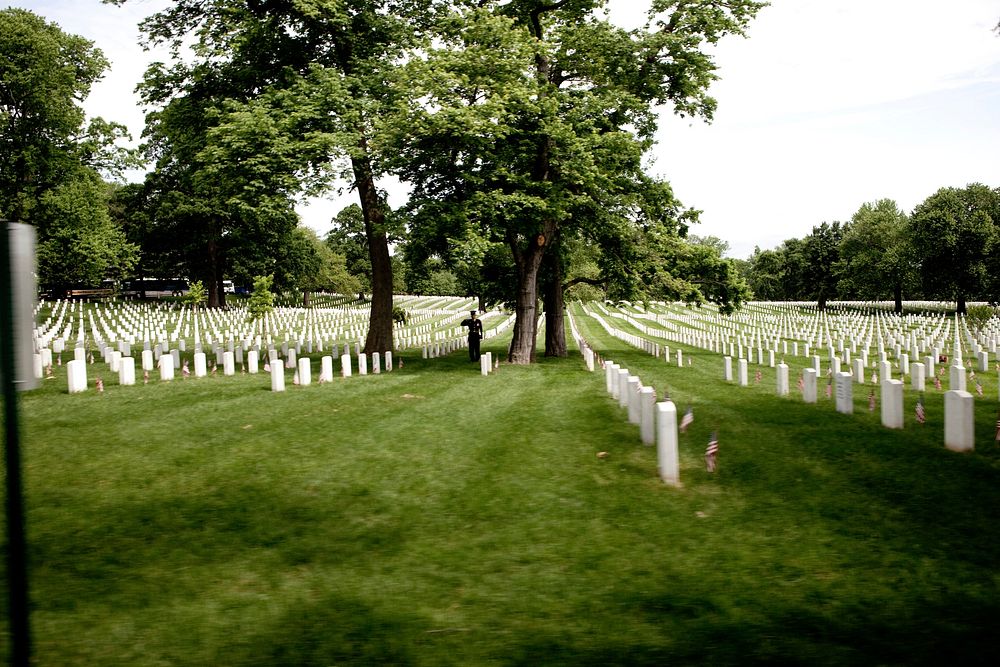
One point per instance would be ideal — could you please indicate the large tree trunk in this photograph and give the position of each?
(897, 293)
(306, 301)
(555, 328)
(522, 344)
(961, 304)
(380, 321)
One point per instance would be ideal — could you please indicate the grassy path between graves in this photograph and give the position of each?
(431, 516)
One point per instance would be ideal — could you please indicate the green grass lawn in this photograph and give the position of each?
(431, 516)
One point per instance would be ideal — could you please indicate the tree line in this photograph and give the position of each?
(522, 128)
(947, 248)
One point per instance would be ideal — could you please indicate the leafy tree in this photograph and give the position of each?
(954, 234)
(50, 162)
(821, 270)
(347, 237)
(977, 317)
(309, 265)
(261, 301)
(307, 81)
(876, 254)
(196, 294)
(78, 242)
(532, 123)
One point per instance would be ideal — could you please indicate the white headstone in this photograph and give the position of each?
(859, 371)
(727, 369)
(388, 361)
(667, 457)
(647, 415)
(345, 365)
(742, 373)
(166, 367)
(147, 360)
(918, 378)
(892, 404)
(611, 378)
(634, 408)
(200, 365)
(362, 364)
(844, 392)
(957, 378)
(326, 369)
(376, 363)
(126, 371)
(228, 363)
(290, 360)
(623, 375)
(76, 376)
(277, 377)
(305, 371)
(959, 424)
(809, 385)
(252, 363)
(782, 379)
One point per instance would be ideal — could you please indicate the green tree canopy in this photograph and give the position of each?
(876, 254)
(955, 235)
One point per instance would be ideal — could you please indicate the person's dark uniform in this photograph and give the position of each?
(475, 335)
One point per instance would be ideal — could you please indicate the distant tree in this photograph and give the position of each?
(309, 265)
(977, 317)
(955, 235)
(78, 241)
(347, 237)
(45, 74)
(821, 271)
(50, 161)
(261, 301)
(876, 253)
(196, 295)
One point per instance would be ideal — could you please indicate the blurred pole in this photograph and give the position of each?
(17, 571)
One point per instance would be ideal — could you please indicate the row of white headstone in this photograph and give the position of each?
(959, 422)
(126, 369)
(657, 421)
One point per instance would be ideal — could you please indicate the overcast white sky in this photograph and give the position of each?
(827, 104)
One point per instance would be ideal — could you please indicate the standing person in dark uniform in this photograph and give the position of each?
(475, 335)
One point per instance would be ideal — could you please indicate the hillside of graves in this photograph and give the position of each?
(425, 509)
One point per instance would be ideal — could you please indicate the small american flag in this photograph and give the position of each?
(871, 401)
(100, 385)
(687, 419)
(185, 371)
(145, 377)
(756, 377)
(829, 389)
(874, 378)
(802, 384)
(401, 364)
(979, 388)
(972, 374)
(921, 417)
(267, 367)
(937, 383)
(295, 378)
(997, 437)
(712, 452)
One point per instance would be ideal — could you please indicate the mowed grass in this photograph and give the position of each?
(431, 516)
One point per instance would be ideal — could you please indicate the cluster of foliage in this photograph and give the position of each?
(53, 163)
(522, 128)
(947, 248)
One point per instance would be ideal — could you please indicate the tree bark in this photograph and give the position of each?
(897, 293)
(528, 261)
(380, 320)
(961, 304)
(306, 300)
(555, 327)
